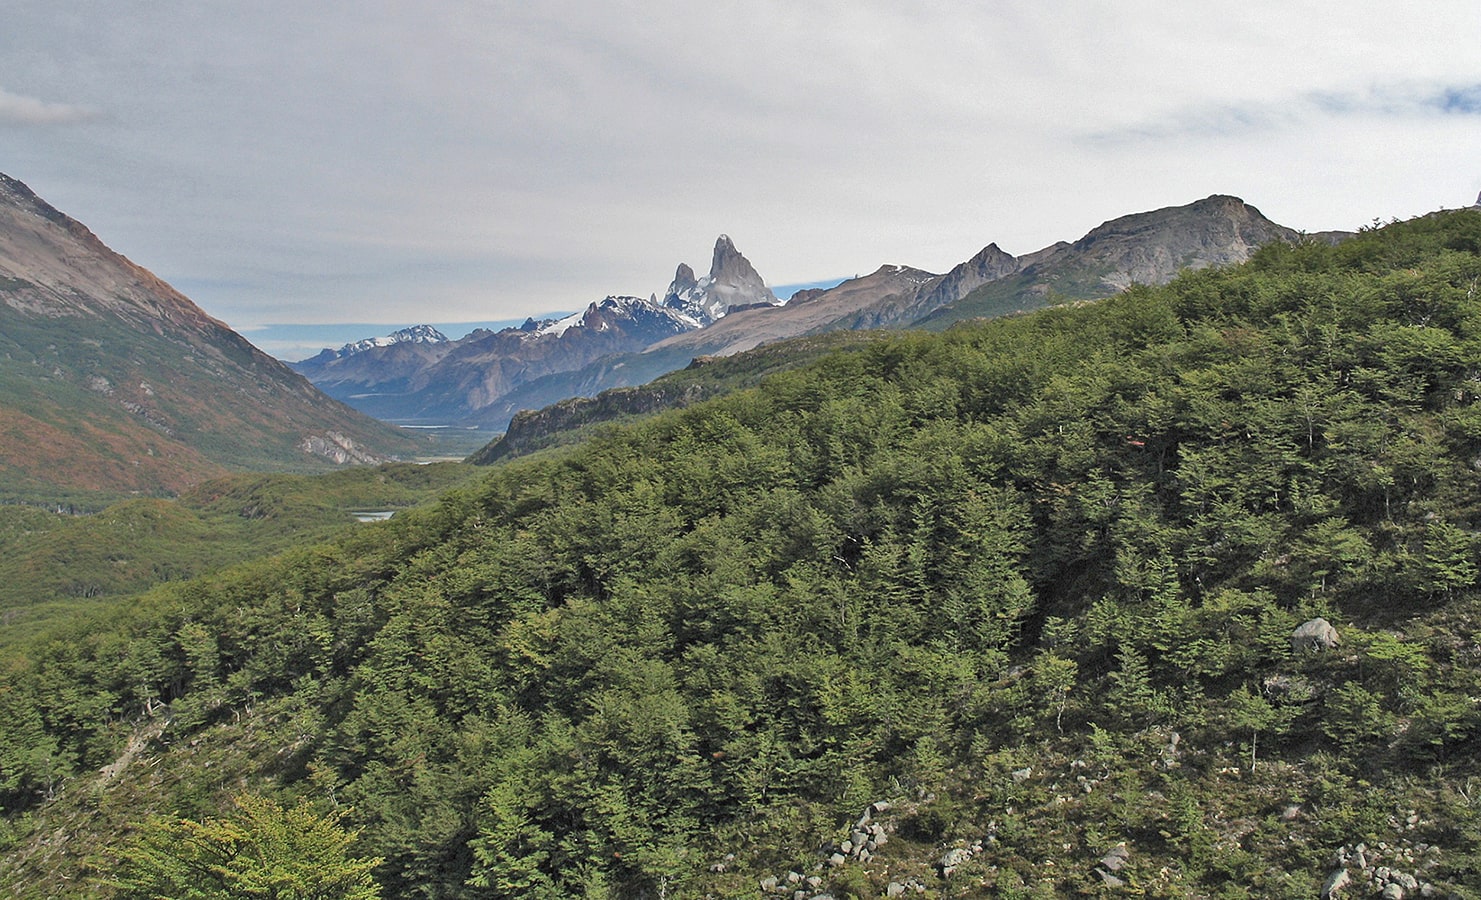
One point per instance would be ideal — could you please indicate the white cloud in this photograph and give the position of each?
(485, 159)
(16, 109)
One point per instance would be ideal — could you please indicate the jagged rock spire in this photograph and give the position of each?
(732, 282)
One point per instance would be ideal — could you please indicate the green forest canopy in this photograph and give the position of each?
(1033, 581)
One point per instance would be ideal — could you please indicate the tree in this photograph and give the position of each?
(261, 850)
(1248, 711)
(1055, 677)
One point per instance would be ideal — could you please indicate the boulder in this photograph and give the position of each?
(1336, 882)
(1115, 860)
(1318, 634)
(953, 858)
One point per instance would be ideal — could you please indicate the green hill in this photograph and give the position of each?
(1034, 600)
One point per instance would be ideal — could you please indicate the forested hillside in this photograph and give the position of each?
(54, 564)
(1005, 611)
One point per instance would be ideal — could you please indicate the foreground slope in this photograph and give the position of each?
(1171, 595)
(112, 380)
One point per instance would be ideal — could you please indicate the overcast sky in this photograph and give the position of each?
(397, 162)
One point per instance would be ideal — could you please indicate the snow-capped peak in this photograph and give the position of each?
(417, 334)
(561, 326)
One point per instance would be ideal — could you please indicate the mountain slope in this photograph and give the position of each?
(567, 421)
(114, 381)
(1173, 595)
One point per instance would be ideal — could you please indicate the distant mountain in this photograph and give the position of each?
(1143, 248)
(468, 380)
(112, 380)
(361, 372)
(482, 368)
(417, 334)
(732, 284)
(1148, 248)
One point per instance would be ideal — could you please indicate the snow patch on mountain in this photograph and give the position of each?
(417, 334)
(602, 314)
(561, 326)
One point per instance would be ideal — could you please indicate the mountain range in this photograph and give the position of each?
(416, 379)
(730, 311)
(112, 380)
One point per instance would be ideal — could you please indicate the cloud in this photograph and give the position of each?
(1391, 101)
(17, 109)
(283, 161)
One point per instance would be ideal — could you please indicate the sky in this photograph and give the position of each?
(314, 162)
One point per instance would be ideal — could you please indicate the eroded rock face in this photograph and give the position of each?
(337, 448)
(1316, 635)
